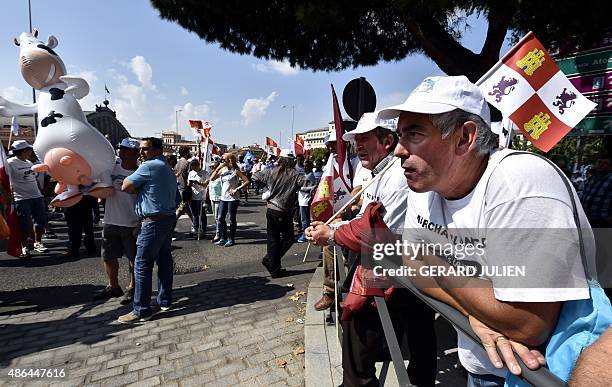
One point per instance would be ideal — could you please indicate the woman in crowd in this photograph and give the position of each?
(232, 181)
(214, 193)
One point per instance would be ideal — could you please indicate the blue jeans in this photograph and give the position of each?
(484, 380)
(305, 217)
(215, 211)
(153, 245)
(224, 208)
(198, 213)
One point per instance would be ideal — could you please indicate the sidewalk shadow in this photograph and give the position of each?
(87, 327)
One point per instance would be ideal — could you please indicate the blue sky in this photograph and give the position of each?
(153, 67)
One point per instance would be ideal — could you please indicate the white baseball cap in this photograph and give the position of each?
(437, 95)
(21, 144)
(368, 122)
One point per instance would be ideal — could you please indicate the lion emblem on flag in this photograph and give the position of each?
(565, 100)
(503, 87)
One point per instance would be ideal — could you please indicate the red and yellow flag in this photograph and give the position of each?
(528, 87)
(195, 124)
(298, 145)
(270, 142)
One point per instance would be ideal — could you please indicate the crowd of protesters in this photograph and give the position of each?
(427, 166)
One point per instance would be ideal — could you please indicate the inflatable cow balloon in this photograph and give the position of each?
(72, 151)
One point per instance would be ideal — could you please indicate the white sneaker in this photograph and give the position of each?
(39, 247)
(25, 253)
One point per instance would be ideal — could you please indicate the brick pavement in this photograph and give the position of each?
(241, 330)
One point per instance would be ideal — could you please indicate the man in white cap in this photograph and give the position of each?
(121, 225)
(362, 335)
(28, 198)
(463, 191)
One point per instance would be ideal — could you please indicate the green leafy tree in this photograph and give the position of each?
(334, 35)
(317, 153)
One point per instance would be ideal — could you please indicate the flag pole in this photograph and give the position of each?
(307, 248)
(336, 301)
(500, 62)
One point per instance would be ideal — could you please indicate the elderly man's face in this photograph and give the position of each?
(426, 157)
(370, 150)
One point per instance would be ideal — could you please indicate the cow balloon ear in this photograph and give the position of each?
(35, 32)
(51, 42)
(16, 41)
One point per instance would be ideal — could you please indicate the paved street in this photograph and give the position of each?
(230, 323)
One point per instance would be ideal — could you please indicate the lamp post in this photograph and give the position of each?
(176, 112)
(292, 118)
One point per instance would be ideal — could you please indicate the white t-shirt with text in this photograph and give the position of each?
(519, 210)
(23, 180)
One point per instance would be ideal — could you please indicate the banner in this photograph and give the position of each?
(10, 213)
(528, 88)
(298, 145)
(206, 128)
(271, 143)
(331, 194)
(346, 175)
(14, 127)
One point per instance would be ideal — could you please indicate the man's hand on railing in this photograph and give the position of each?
(491, 340)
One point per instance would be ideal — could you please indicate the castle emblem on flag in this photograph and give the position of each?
(565, 100)
(504, 87)
(538, 125)
(319, 208)
(324, 190)
(532, 61)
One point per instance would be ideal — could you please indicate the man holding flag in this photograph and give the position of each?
(362, 333)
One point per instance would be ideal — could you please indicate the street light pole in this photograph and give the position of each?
(292, 118)
(176, 120)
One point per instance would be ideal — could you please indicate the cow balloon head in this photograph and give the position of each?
(40, 65)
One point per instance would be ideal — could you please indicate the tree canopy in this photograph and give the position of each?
(334, 35)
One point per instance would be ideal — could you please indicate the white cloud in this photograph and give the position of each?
(391, 99)
(255, 108)
(143, 71)
(189, 111)
(15, 94)
(283, 68)
(184, 91)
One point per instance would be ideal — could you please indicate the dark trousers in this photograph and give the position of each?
(363, 336)
(199, 220)
(80, 219)
(280, 238)
(224, 208)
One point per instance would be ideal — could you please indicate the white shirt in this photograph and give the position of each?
(392, 191)
(520, 211)
(361, 175)
(120, 206)
(200, 177)
(229, 180)
(23, 180)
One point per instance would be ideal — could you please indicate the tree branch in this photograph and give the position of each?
(499, 17)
